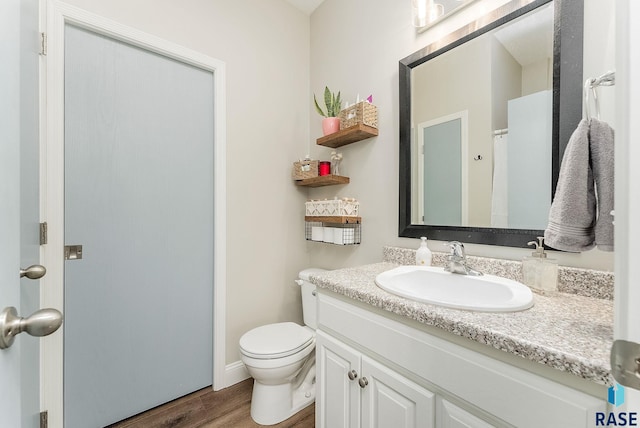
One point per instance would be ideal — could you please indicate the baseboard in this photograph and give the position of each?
(234, 373)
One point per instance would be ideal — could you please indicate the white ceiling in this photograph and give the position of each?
(307, 6)
(531, 39)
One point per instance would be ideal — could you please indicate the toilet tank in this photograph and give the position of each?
(308, 291)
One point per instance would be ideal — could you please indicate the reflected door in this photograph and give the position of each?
(442, 177)
(139, 199)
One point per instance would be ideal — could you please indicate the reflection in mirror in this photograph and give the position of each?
(485, 114)
(483, 158)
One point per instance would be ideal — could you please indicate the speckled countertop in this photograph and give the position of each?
(568, 332)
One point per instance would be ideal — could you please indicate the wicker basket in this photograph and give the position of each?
(304, 169)
(362, 112)
(346, 207)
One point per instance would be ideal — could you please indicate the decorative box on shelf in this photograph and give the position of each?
(345, 207)
(304, 169)
(362, 112)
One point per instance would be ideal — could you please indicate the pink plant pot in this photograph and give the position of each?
(330, 125)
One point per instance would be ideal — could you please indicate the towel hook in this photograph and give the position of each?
(607, 79)
(589, 87)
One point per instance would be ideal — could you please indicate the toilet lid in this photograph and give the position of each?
(275, 340)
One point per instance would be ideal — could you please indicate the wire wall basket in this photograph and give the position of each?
(339, 234)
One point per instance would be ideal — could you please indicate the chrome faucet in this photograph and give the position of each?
(457, 261)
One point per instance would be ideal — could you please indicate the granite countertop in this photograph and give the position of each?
(568, 332)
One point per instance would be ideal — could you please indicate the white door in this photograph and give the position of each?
(443, 174)
(19, 206)
(443, 170)
(179, 333)
(391, 400)
(627, 205)
(139, 142)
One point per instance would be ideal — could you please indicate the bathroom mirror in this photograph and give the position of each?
(485, 115)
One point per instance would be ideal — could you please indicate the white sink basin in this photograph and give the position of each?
(487, 293)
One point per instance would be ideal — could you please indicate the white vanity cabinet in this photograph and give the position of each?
(412, 376)
(452, 416)
(356, 391)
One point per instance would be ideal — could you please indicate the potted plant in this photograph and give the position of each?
(331, 122)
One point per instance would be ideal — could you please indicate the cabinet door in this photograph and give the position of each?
(337, 395)
(391, 400)
(452, 416)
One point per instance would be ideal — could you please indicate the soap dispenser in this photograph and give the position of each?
(538, 271)
(423, 253)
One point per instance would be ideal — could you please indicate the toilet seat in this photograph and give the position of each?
(277, 340)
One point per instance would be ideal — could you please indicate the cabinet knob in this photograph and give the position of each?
(352, 375)
(363, 382)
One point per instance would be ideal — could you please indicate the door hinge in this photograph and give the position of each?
(44, 419)
(43, 233)
(43, 44)
(625, 363)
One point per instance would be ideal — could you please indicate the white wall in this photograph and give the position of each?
(355, 48)
(600, 51)
(506, 84)
(267, 128)
(537, 76)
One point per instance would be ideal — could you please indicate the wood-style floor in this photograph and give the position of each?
(206, 408)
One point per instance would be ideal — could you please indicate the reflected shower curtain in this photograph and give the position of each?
(499, 197)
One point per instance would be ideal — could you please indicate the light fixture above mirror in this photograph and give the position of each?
(425, 13)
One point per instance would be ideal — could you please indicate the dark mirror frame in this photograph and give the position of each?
(567, 111)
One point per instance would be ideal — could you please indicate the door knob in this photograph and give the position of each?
(352, 375)
(40, 323)
(33, 272)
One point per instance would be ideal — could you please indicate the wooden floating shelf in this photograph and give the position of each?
(347, 136)
(334, 219)
(323, 180)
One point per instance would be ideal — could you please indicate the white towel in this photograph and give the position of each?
(580, 215)
(573, 210)
(499, 194)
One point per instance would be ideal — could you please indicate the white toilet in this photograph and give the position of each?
(281, 359)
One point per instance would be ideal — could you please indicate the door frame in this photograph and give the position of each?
(627, 179)
(58, 14)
